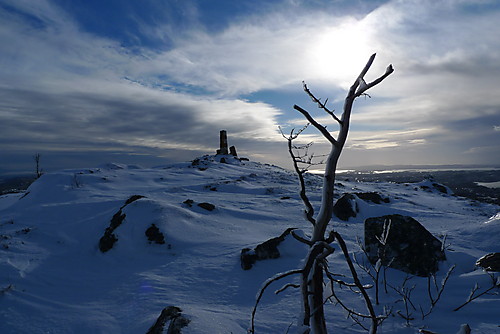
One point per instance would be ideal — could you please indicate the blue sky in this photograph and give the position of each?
(84, 82)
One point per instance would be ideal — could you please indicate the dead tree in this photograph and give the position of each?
(38, 169)
(315, 265)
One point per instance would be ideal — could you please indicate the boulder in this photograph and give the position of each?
(266, 250)
(247, 258)
(402, 243)
(346, 207)
(373, 197)
(490, 262)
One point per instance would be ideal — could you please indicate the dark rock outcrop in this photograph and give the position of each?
(207, 206)
(346, 207)
(108, 240)
(373, 197)
(176, 320)
(155, 235)
(402, 243)
(490, 262)
(266, 250)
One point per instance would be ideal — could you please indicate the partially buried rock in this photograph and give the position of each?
(173, 315)
(490, 262)
(266, 250)
(401, 242)
(207, 206)
(373, 197)
(155, 235)
(346, 207)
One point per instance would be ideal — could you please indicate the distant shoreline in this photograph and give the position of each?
(388, 170)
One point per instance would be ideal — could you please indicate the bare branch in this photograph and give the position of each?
(439, 290)
(368, 302)
(286, 286)
(299, 238)
(309, 211)
(320, 104)
(263, 289)
(318, 126)
(472, 295)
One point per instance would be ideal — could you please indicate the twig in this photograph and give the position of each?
(368, 302)
(320, 104)
(472, 296)
(439, 290)
(309, 211)
(263, 289)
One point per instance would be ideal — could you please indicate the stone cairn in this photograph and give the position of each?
(223, 150)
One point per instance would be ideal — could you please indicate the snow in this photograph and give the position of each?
(54, 278)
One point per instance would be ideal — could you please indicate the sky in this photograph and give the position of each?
(150, 82)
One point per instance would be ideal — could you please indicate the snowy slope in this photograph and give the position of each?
(54, 278)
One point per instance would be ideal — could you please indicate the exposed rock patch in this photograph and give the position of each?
(176, 321)
(207, 206)
(266, 250)
(402, 243)
(109, 239)
(346, 207)
(155, 235)
(373, 197)
(490, 262)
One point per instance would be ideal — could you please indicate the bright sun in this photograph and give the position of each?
(339, 53)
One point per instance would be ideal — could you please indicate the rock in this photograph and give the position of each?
(107, 241)
(189, 202)
(172, 314)
(490, 262)
(346, 207)
(155, 235)
(464, 329)
(431, 186)
(131, 199)
(373, 197)
(116, 220)
(232, 151)
(266, 250)
(247, 258)
(408, 246)
(206, 206)
(440, 188)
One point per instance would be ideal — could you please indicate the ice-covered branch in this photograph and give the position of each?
(263, 289)
(320, 104)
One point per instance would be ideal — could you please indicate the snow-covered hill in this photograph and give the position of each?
(54, 278)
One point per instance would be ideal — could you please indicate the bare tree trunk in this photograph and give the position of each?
(315, 264)
(314, 285)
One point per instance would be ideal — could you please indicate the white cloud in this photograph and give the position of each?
(88, 88)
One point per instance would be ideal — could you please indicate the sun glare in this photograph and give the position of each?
(338, 53)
